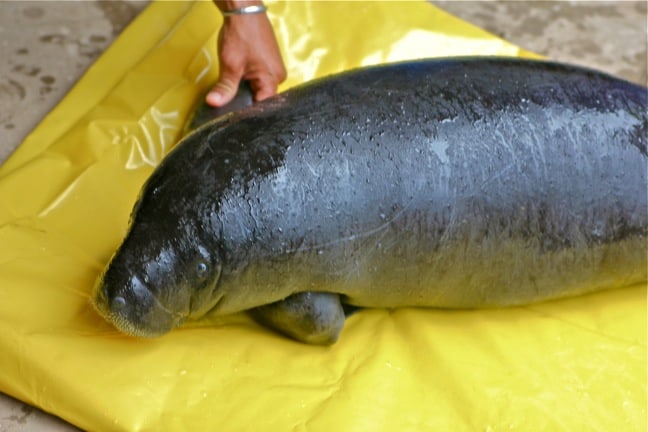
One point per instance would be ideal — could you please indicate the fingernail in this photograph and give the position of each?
(214, 98)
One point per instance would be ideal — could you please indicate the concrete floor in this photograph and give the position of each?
(46, 46)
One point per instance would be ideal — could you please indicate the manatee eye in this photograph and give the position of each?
(118, 303)
(201, 269)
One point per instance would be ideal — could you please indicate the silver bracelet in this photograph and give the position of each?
(253, 9)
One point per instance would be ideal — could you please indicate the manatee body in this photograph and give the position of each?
(458, 183)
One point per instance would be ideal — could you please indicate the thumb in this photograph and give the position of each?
(223, 91)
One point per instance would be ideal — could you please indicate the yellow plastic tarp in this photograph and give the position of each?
(65, 197)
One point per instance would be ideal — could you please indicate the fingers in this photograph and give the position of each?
(227, 86)
(263, 88)
(224, 90)
(247, 49)
(264, 93)
(266, 80)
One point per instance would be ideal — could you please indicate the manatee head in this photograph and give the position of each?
(166, 269)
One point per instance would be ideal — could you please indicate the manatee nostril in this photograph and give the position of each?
(118, 303)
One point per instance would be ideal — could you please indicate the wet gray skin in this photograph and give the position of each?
(460, 183)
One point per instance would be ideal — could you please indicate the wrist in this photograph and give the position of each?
(231, 8)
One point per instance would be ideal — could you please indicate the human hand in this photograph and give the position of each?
(247, 49)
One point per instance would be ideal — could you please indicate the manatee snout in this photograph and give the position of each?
(125, 301)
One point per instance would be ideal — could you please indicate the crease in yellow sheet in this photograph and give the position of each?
(65, 197)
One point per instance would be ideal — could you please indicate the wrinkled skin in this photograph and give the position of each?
(443, 183)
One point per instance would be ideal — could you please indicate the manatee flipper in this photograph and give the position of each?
(310, 317)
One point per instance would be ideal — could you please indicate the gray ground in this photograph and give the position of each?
(45, 47)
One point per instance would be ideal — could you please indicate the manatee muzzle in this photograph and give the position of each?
(133, 309)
